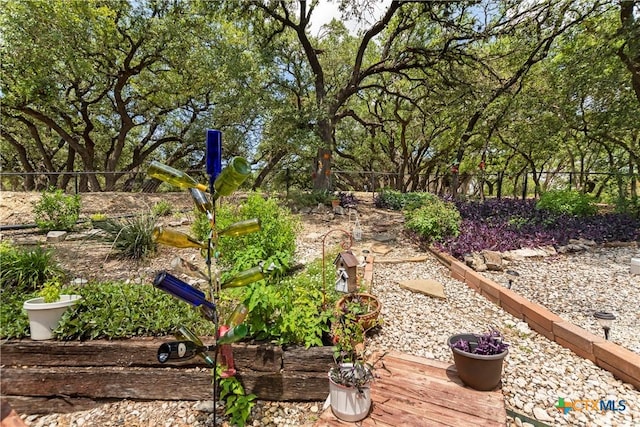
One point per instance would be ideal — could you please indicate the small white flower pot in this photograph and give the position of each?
(44, 316)
(349, 403)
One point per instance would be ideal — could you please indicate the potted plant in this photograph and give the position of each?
(45, 311)
(363, 306)
(350, 379)
(478, 358)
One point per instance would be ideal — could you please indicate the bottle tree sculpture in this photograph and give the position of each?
(222, 182)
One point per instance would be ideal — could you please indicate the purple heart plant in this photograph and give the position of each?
(488, 343)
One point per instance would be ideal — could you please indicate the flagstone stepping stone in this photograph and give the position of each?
(424, 286)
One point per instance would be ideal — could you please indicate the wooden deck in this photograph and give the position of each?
(413, 391)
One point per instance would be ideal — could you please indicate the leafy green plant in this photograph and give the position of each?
(434, 221)
(51, 290)
(57, 211)
(98, 217)
(275, 243)
(162, 208)
(568, 202)
(14, 322)
(294, 310)
(237, 404)
(395, 200)
(26, 269)
(131, 237)
(311, 198)
(118, 310)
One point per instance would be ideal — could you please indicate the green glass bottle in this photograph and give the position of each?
(244, 278)
(241, 228)
(174, 238)
(238, 315)
(233, 335)
(185, 334)
(173, 176)
(231, 177)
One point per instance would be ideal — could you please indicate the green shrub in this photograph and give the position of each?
(291, 311)
(14, 322)
(26, 269)
(274, 243)
(118, 310)
(435, 220)
(311, 198)
(132, 237)
(567, 202)
(162, 208)
(237, 404)
(395, 200)
(57, 211)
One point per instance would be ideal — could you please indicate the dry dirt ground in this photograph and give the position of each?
(91, 260)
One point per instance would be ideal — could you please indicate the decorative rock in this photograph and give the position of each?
(493, 260)
(541, 414)
(56, 236)
(476, 261)
(204, 406)
(424, 286)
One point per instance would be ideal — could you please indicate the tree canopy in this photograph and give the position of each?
(428, 93)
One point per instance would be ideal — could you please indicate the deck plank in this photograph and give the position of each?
(415, 391)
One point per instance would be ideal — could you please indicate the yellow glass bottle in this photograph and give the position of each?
(173, 176)
(177, 239)
(244, 278)
(203, 204)
(231, 177)
(184, 333)
(241, 228)
(238, 315)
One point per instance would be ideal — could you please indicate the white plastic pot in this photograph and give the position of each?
(349, 403)
(635, 265)
(44, 316)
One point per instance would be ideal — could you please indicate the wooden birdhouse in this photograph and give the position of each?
(346, 272)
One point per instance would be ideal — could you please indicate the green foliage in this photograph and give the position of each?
(392, 199)
(162, 208)
(435, 220)
(311, 198)
(56, 211)
(131, 237)
(51, 290)
(26, 269)
(629, 206)
(14, 322)
(567, 202)
(116, 310)
(237, 404)
(275, 243)
(98, 217)
(291, 311)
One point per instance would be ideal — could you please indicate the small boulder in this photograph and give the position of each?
(56, 236)
(493, 260)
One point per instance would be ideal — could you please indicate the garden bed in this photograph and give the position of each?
(52, 376)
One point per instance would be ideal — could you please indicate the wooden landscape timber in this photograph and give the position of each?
(40, 377)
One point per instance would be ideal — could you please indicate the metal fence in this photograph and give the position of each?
(472, 185)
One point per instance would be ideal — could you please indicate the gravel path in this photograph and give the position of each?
(536, 373)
